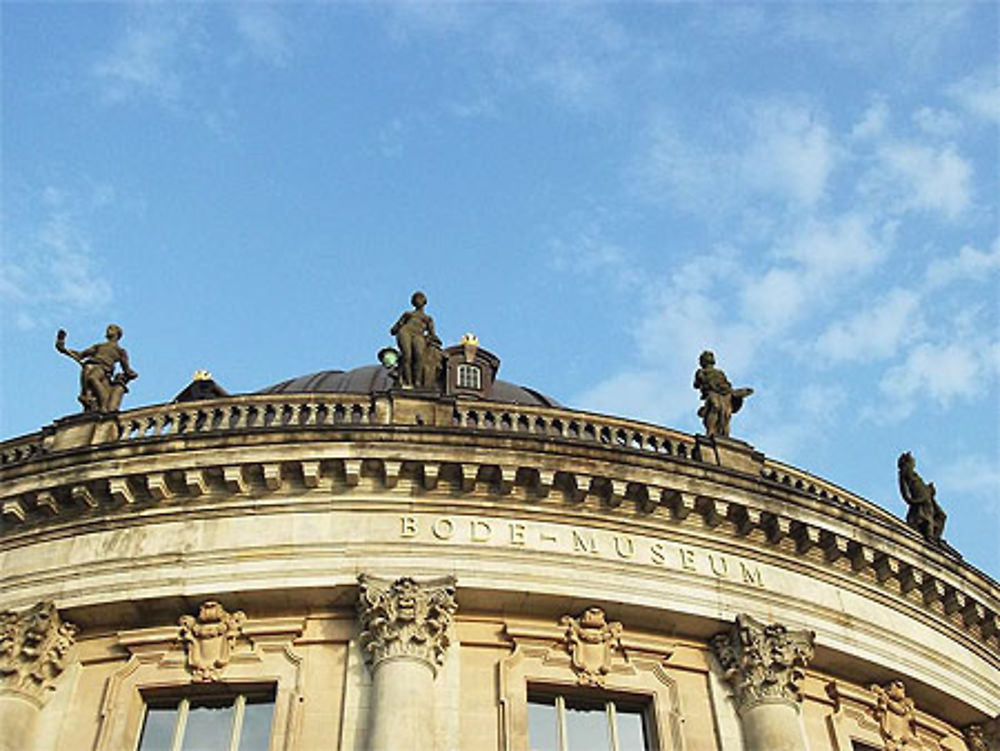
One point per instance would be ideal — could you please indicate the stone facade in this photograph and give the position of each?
(401, 571)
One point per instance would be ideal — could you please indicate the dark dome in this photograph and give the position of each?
(371, 378)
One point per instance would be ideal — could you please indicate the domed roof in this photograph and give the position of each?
(371, 378)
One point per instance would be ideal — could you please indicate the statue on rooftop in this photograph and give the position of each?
(101, 388)
(720, 399)
(925, 515)
(414, 332)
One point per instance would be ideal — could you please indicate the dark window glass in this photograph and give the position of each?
(208, 722)
(256, 735)
(631, 729)
(543, 734)
(209, 726)
(158, 729)
(587, 728)
(585, 723)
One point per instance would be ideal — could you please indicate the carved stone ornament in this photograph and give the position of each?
(209, 639)
(895, 714)
(591, 641)
(405, 618)
(33, 649)
(763, 663)
(983, 736)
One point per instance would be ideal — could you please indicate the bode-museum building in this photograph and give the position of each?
(418, 556)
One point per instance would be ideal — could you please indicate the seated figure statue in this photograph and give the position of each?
(925, 515)
(721, 400)
(101, 389)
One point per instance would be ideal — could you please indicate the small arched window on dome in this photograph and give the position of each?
(469, 376)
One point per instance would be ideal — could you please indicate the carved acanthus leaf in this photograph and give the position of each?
(763, 663)
(209, 639)
(33, 648)
(591, 641)
(984, 736)
(405, 618)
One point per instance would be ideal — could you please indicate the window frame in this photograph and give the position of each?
(610, 700)
(540, 664)
(158, 667)
(476, 373)
(238, 693)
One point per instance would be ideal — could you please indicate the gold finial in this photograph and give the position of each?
(470, 343)
(202, 375)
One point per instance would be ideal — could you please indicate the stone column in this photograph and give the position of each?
(404, 638)
(33, 648)
(763, 664)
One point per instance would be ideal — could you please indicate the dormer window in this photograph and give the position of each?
(470, 377)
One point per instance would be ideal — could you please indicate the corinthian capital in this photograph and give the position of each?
(33, 649)
(984, 736)
(763, 663)
(405, 618)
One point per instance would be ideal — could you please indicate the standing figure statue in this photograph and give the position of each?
(721, 399)
(414, 332)
(925, 515)
(101, 389)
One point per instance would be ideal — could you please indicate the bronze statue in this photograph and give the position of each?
(721, 399)
(414, 332)
(101, 389)
(925, 515)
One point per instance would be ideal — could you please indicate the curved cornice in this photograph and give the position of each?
(603, 470)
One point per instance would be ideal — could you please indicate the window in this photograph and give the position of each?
(469, 377)
(570, 723)
(859, 746)
(208, 722)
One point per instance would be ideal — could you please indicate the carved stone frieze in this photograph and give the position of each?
(763, 662)
(405, 618)
(592, 640)
(209, 639)
(34, 646)
(895, 713)
(983, 736)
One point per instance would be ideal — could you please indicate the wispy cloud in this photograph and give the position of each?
(146, 58)
(264, 31)
(927, 178)
(876, 332)
(979, 93)
(49, 262)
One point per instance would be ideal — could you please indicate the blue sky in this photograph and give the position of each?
(598, 190)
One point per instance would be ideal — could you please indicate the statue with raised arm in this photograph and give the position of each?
(925, 515)
(720, 399)
(414, 332)
(101, 388)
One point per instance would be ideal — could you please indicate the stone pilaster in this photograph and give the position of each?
(33, 652)
(763, 664)
(404, 638)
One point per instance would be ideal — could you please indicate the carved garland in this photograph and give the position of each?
(33, 649)
(984, 736)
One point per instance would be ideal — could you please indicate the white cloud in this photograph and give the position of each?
(144, 60)
(928, 178)
(876, 332)
(828, 248)
(979, 93)
(968, 264)
(873, 121)
(937, 122)
(790, 153)
(50, 262)
(943, 372)
(264, 31)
